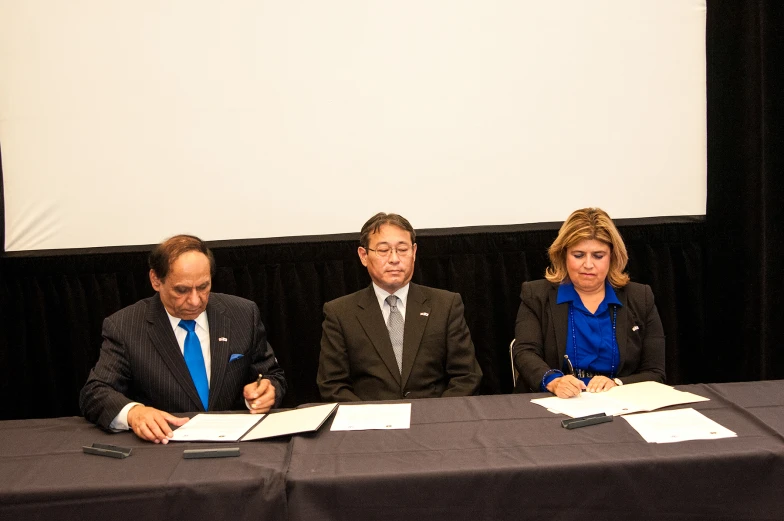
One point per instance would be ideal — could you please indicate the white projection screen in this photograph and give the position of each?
(122, 123)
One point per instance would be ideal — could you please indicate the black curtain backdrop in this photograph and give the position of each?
(745, 213)
(717, 280)
(54, 305)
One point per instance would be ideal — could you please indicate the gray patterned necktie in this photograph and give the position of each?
(396, 324)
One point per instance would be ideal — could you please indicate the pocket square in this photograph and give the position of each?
(425, 314)
(635, 328)
(235, 357)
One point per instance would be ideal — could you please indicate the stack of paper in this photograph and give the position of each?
(624, 399)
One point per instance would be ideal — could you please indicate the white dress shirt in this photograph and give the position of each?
(202, 330)
(401, 294)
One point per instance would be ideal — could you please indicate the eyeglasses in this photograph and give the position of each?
(384, 252)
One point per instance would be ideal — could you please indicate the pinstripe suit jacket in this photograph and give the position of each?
(357, 361)
(140, 361)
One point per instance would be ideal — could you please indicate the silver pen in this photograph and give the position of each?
(568, 365)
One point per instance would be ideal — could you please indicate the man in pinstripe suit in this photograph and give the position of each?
(142, 375)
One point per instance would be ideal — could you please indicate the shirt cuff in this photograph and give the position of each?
(120, 422)
(549, 376)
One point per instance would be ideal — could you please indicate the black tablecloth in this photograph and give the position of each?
(502, 457)
(45, 475)
(485, 457)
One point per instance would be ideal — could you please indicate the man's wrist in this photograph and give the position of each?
(130, 412)
(120, 422)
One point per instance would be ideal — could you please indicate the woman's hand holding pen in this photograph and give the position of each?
(566, 386)
(260, 395)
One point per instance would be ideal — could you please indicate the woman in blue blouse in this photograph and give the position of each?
(586, 327)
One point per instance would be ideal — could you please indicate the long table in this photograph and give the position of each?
(501, 457)
(44, 475)
(483, 457)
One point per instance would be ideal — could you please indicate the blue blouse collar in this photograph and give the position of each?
(567, 293)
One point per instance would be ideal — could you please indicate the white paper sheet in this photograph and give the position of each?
(372, 416)
(585, 404)
(624, 399)
(295, 421)
(677, 425)
(216, 427)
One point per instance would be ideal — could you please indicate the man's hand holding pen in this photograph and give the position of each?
(260, 395)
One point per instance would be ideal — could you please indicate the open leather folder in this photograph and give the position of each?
(248, 427)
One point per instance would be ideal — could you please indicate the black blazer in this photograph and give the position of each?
(357, 361)
(140, 361)
(542, 327)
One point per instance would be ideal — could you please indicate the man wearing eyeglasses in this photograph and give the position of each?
(395, 339)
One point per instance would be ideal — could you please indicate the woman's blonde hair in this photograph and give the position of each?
(588, 224)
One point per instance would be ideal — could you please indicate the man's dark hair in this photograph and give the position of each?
(380, 219)
(163, 255)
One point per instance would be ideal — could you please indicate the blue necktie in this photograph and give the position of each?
(194, 359)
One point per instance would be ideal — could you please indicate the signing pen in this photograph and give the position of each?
(568, 367)
(258, 383)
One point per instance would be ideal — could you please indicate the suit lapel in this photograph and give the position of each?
(372, 322)
(220, 327)
(621, 326)
(559, 323)
(162, 337)
(417, 303)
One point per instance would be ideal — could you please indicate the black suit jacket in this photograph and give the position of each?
(542, 327)
(357, 361)
(141, 361)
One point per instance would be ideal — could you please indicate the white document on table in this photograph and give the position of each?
(623, 399)
(678, 425)
(295, 421)
(584, 405)
(372, 416)
(216, 427)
